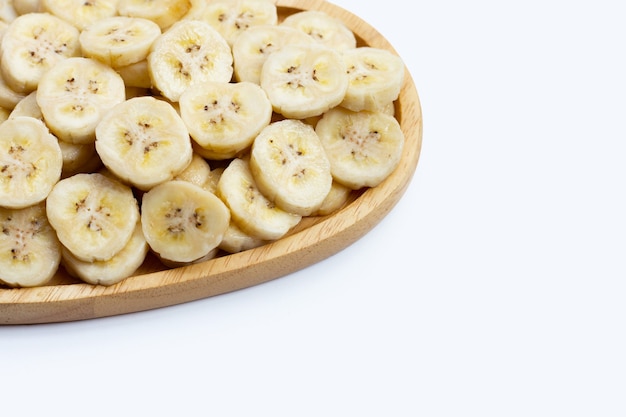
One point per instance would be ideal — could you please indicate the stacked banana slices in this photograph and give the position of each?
(179, 129)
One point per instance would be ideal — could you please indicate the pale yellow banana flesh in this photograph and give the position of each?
(183, 222)
(94, 216)
(30, 252)
(290, 166)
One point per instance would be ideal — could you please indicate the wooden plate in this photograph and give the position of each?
(316, 238)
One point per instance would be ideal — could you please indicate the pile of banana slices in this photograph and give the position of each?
(182, 128)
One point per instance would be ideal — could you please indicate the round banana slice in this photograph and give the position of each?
(81, 13)
(144, 142)
(30, 162)
(304, 80)
(31, 45)
(290, 166)
(182, 222)
(236, 240)
(163, 12)
(7, 11)
(252, 212)
(75, 94)
(337, 197)
(363, 147)
(27, 106)
(121, 266)
(9, 98)
(189, 53)
(119, 41)
(323, 28)
(136, 75)
(376, 78)
(253, 46)
(198, 172)
(94, 216)
(233, 17)
(224, 118)
(30, 252)
(27, 6)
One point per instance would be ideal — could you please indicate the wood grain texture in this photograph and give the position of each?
(316, 238)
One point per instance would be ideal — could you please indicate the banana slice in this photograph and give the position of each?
(30, 252)
(9, 97)
(224, 118)
(7, 11)
(189, 53)
(304, 80)
(182, 222)
(4, 114)
(376, 78)
(81, 13)
(290, 166)
(27, 6)
(30, 162)
(337, 197)
(236, 240)
(136, 75)
(119, 41)
(253, 46)
(27, 106)
(144, 142)
(31, 45)
(363, 147)
(323, 28)
(249, 208)
(233, 17)
(163, 12)
(94, 216)
(74, 96)
(198, 172)
(121, 266)
(78, 158)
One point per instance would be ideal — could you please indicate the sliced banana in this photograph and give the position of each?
(81, 13)
(75, 94)
(337, 197)
(121, 266)
(144, 142)
(233, 17)
(252, 212)
(9, 97)
(236, 240)
(31, 45)
(304, 80)
(198, 172)
(30, 162)
(136, 75)
(7, 11)
(224, 118)
(290, 166)
(182, 222)
(189, 53)
(323, 28)
(363, 147)
(27, 6)
(27, 106)
(78, 158)
(30, 252)
(253, 46)
(94, 216)
(163, 12)
(376, 78)
(119, 41)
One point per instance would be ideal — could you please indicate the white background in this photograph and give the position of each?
(496, 286)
